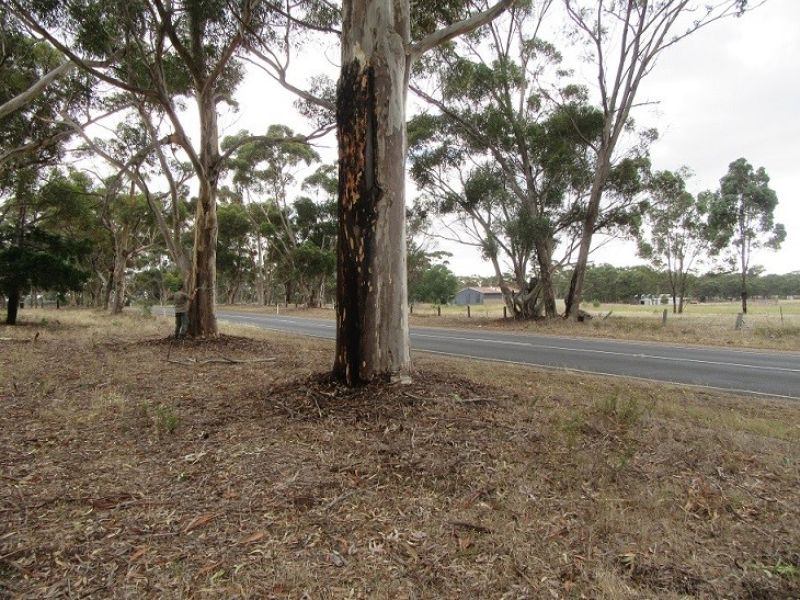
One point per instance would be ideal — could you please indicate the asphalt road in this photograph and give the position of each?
(753, 372)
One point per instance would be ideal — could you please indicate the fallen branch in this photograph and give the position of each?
(220, 359)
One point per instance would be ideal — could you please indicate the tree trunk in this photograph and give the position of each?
(544, 258)
(288, 289)
(260, 295)
(13, 306)
(109, 286)
(371, 288)
(744, 290)
(203, 280)
(574, 296)
(119, 281)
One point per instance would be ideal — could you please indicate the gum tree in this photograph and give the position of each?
(372, 300)
(677, 230)
(743, 216)
(624, 39)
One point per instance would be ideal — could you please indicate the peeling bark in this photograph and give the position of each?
(371, 290)
(203, 278)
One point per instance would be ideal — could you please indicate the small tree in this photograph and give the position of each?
(34, 253)
(743, 214)
(677, 231)
(438, 285)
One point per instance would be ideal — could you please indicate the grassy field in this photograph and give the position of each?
(134, 467)
(767, 325)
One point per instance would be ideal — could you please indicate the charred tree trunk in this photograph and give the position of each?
(261, 298)
(13, 305)
(288, 289)
(744, 295)
(371, 289)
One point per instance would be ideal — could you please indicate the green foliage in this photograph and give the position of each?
(34, 134)
(438, 285)
(35, 257)
(677, 235)
(623, 412)
(608, 283)
(509, 159)
(44, 238)
(162, 416)
(743, 215)
(743, 211)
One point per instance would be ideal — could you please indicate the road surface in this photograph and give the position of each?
(748, 371)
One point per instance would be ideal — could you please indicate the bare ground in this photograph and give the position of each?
(125, 475)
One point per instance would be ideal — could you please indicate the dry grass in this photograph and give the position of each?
(129, 476)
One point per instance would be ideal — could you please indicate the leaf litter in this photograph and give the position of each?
(276, 482)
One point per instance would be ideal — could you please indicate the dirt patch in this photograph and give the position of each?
(126, 475)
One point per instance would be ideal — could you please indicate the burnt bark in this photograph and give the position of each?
(13, 305)
(544, 256)
(371, 290)
(358, 195)
(574, 296)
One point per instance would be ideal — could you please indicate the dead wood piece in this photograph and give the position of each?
(218, 359)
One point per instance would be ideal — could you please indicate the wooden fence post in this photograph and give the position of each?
(468, 315)
(505, 312)
(664, 318)
(438, 311)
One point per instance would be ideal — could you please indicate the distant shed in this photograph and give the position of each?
(479, 295)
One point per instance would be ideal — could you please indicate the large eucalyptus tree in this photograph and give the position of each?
(378, 53)
(505, 157)
(623, 40)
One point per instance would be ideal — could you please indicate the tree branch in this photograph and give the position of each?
(35, 90)
(451, 31)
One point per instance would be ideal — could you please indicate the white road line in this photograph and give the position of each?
(542, 346)
(302, 322)
(593, 351)
(616, 375)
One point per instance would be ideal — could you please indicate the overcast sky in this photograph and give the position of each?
(731, 90)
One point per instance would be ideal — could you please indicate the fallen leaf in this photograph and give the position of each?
(252, 538)
(208, 568)
(199, 521)
(138, 554)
